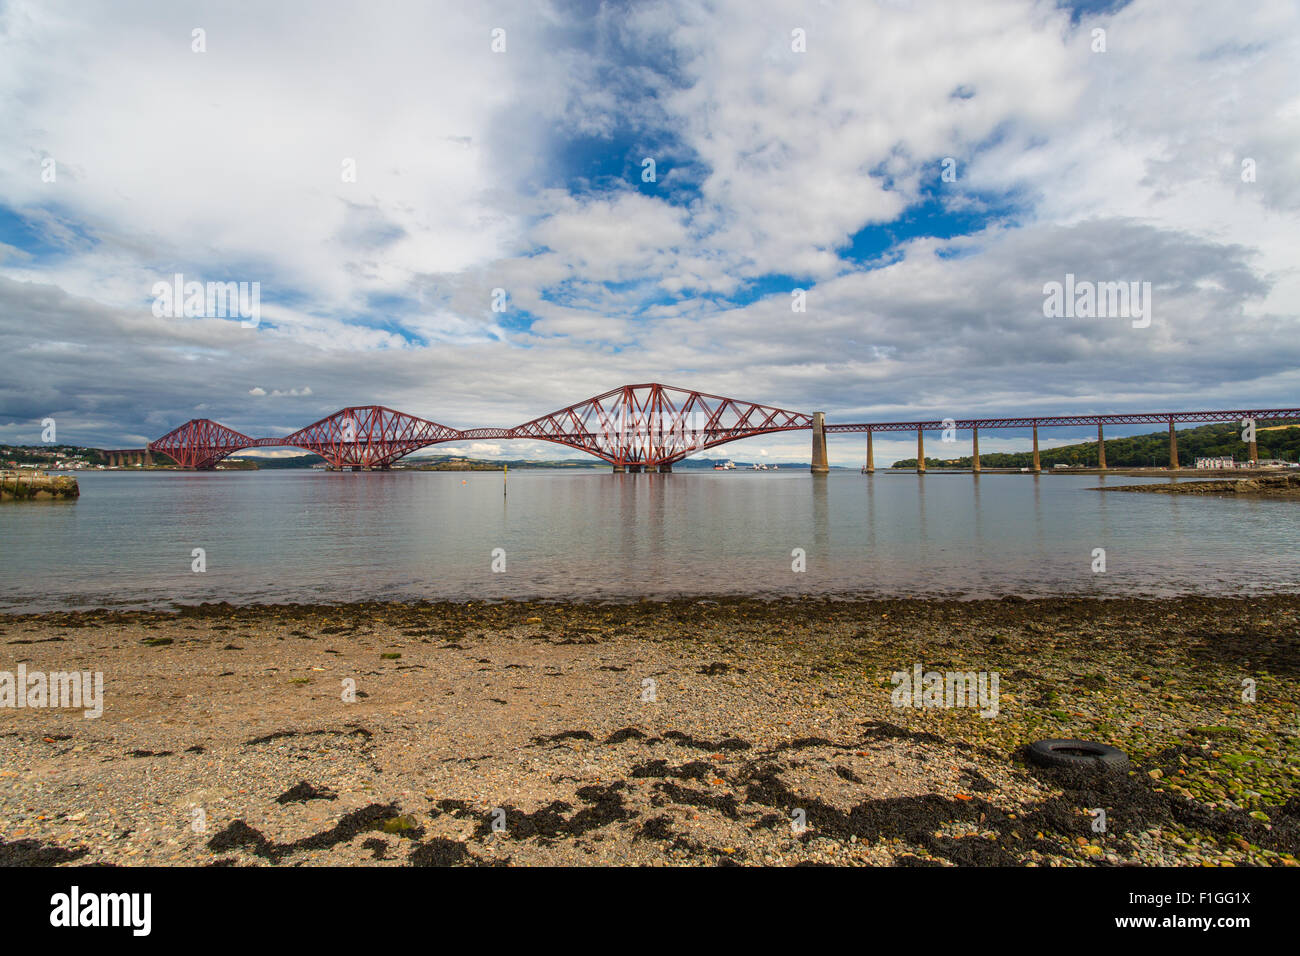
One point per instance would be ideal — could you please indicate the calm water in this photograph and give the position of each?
(313, 536)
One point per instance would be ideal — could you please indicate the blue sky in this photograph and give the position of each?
(794, 147)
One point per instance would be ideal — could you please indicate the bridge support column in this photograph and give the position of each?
(1101, 448)
(1254, 453)
(820, 466)
(620, 469)
(920, 451)
(634, 469)
(1037, 465)
(871, 457)
(1173, 447)
(975, 456)
(666, 468)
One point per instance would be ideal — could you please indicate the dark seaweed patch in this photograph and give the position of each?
(604, 806)
(240, 834)
(627, 733)
(36, 853)
(304, 791)
(440, 852)
(657, 828)
(686, 740)
(565, 735)
(724, 803)
(695, 770)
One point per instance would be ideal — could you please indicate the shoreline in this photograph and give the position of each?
(533, 713)
(833, 599)
(1261, 486)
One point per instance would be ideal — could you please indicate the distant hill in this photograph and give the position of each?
(1204, 441)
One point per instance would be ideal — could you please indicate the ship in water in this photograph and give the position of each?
(725, 466)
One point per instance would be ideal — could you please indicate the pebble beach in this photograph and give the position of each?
(690, 732)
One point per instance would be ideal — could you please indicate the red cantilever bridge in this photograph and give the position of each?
(634, 428)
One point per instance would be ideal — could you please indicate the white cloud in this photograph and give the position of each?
(1126, 164)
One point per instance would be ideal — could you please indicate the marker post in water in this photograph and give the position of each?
(505, 477)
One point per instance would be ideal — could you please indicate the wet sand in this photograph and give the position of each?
(686, 732)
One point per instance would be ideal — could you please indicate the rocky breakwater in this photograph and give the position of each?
(36, 486)
(1264, 486)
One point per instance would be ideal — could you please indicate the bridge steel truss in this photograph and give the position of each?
(634, 427)
(201, 443)
(359, 436)
(651, 426)
(1140, 418)
(366, 436)
(1132, 418)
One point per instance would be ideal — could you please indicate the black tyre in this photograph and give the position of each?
(1079, 754)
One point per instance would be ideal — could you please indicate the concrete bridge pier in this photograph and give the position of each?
(1173, 447)
(666, 468)
(920, 451)
(620, 469)
(1037, 465)
(871, 456)
(1101, 448)
(820, 464)
(635, 469)
(975, 456)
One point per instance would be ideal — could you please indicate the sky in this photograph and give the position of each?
(448, 210)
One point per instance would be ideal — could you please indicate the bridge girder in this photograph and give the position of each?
(654, 424)
(634, 425)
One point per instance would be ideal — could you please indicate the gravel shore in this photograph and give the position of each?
(1262, 486)
(695, 732)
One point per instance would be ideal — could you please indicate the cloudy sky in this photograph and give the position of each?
(381, 169)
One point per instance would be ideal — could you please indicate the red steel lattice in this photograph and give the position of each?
(366, 436)
(360, 436)
(200, 443)
(656, 424)
(635, 425)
